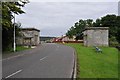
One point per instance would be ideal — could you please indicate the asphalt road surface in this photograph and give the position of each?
(48, 60)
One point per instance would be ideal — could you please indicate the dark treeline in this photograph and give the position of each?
(44, 38)
(111, 21)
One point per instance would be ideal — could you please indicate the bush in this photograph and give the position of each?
(113, 42)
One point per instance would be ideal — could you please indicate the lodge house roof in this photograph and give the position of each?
(30, 29)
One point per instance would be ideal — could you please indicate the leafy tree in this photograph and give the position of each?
(118, 29)
(89, 23)
(97, 23)
(111, 21)
(71, 32)
(78, 27)
(8, 9)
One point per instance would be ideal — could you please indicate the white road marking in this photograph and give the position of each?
(43, 58)
(12, 57)
(13, 74)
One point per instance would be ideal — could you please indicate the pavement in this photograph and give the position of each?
(48, 60)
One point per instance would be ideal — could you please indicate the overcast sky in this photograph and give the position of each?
(55, 18)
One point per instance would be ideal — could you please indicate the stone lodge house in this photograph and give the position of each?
(64, 38)
(96, 36)
(29, 37)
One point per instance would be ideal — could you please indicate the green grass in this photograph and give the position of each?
(21, 48)
(91, 64)
(18, 48)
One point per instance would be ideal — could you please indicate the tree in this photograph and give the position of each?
(118, 29)
(78, 27)
(8, 9)
(113, 22)
(89, 23)
(71, 32)
(97, 23)
(110, 21)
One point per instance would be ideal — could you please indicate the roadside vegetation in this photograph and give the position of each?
(18, 48)
(91, 64)
(110, 20)
(21, 48)
(8, 10)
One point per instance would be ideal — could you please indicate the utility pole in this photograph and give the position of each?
(14, 44)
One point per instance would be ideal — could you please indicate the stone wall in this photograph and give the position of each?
(96, 36)
(35, 38)
(28, 37)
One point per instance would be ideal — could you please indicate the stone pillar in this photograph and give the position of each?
(96, 36)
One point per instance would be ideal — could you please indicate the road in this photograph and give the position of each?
(48, 60)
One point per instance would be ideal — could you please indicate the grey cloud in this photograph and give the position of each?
(74, 0)
(52, 18)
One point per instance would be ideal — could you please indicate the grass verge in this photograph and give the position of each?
(21, 48)
(91, 64)
(18, 48)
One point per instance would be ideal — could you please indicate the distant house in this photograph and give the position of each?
(29, 37)
(64, 38)
(96, 36)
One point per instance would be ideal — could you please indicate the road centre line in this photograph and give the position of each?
(43, 58)
(14, 73)
(12, 57)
